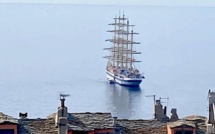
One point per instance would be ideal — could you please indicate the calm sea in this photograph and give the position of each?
(46, 50)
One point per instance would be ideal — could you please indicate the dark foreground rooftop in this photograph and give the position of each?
(99, 121)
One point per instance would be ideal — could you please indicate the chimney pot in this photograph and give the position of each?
(62, 102)
(114, 121)
(23, 115)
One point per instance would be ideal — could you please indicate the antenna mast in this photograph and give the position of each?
(167, 100)
(62, 99)
(151, 96)
(154, 101)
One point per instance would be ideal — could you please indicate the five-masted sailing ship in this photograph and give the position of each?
(120, 67)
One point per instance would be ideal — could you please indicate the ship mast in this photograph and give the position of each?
(114, 53)
(131, 61)
(127, 35)
(119, 43)
(122, 49)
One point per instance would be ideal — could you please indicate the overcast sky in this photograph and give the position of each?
(122, 2)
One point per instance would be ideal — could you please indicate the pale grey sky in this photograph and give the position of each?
(205, 3)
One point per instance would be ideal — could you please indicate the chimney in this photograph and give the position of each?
(63, 125)
(158, 109)
(114, 121)
(62, 102)
(23, 115)
(114, 124)
(174, 116)
(62, 110)
(211, 99)
(160, 113)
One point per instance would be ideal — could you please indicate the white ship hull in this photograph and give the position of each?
(123, 81)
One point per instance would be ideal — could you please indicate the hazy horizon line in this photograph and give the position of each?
(87, 4)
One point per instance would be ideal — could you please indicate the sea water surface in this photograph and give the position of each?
(46, 50)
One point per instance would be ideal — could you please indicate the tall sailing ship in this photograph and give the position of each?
(120, 67)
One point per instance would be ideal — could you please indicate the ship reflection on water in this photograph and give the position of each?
(124, 102)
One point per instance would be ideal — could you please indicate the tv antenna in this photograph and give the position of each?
(167, 100)
(151, 96)
(63, 96)
(62, 99)
(154, 101)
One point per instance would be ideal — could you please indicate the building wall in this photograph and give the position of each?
(9, 126)
(169, 130)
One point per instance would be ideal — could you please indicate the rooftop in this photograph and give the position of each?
(7, 119)
(141, 126)
(37, 126)
(90, 121)
(181, 123)
(199, 122)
